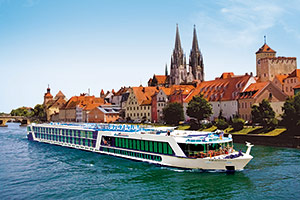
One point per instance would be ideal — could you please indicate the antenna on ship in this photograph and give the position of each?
(265, 39)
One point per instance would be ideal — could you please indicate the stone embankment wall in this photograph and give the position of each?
(289, 140)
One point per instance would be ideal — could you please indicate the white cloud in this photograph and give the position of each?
(239, 22)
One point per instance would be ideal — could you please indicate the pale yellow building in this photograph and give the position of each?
(138, 105)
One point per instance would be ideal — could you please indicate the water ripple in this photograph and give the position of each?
(31, 170)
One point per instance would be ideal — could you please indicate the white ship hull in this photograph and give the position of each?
(177, 158)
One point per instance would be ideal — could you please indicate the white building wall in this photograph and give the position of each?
(229, 108)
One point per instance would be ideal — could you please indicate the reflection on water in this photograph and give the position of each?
(31, 170)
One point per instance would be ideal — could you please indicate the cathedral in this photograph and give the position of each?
(179, 74)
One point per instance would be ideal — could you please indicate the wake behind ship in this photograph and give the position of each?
(157, 145)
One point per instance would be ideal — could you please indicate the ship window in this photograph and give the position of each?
(130, 143)
(165, 148)
(126, 141)
(138, 145)
(117, 142)
(150, 146)
(146, 145)
(155, 147)
(123, 142)
(134, 144)
(160, 147)
(170, 151)
(142, 145)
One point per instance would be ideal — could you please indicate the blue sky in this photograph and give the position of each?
(74, 45)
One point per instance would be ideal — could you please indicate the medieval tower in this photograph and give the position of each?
(268, 65)
(178, 73)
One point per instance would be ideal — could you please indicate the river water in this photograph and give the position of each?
(31, 170)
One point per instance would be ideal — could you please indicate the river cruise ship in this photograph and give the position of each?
(157, 145)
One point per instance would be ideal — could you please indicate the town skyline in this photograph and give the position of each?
(105, 54)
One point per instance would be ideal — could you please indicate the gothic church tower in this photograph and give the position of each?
(196, 65)
(178, 73)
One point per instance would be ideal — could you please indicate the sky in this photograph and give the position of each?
(77, 45)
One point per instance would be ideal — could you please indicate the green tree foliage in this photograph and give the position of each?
(221, 124)
(199, 108)
(263, 114)
(173, 113)
(22, 111)
(291, 113)
(39, 112)
(237, 124)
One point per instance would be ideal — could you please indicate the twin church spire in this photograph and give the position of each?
(178, 72)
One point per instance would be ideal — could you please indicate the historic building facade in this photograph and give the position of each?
(53, 105)
(255, 93)
(268, 65)
(178, 72)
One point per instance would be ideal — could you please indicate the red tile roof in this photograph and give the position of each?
(297, 87)
(161, 79)
(181, 89)
(265, 49)
(59, 94)
(295, 73)
(144, 94)
(83, 101)
(121, 91)
(281, 77)
(253, 90)
(220, 89)
(48, 95)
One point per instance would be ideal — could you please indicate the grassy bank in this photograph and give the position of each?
(246, 130)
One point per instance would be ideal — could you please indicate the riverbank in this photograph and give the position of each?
(278, 137)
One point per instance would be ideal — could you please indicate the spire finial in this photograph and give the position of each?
(166, 70)
(265, 39)
(177, 40)
(195, 46)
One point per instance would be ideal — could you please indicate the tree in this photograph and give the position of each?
(221, 124)
(237, 124)
(173, 113)
(39, 112)
(22, 111)
(291, 113)
(263, 114)
(199, 108)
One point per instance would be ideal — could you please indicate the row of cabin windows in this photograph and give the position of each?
(138, 114)
(137, 108)
(70, 140)
(132, 154)
(140, 145)
(66, 132)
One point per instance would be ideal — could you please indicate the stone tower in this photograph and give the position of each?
(178, 73)
(47, 97)
(268, 65)
(196, 65)
(264, 52)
